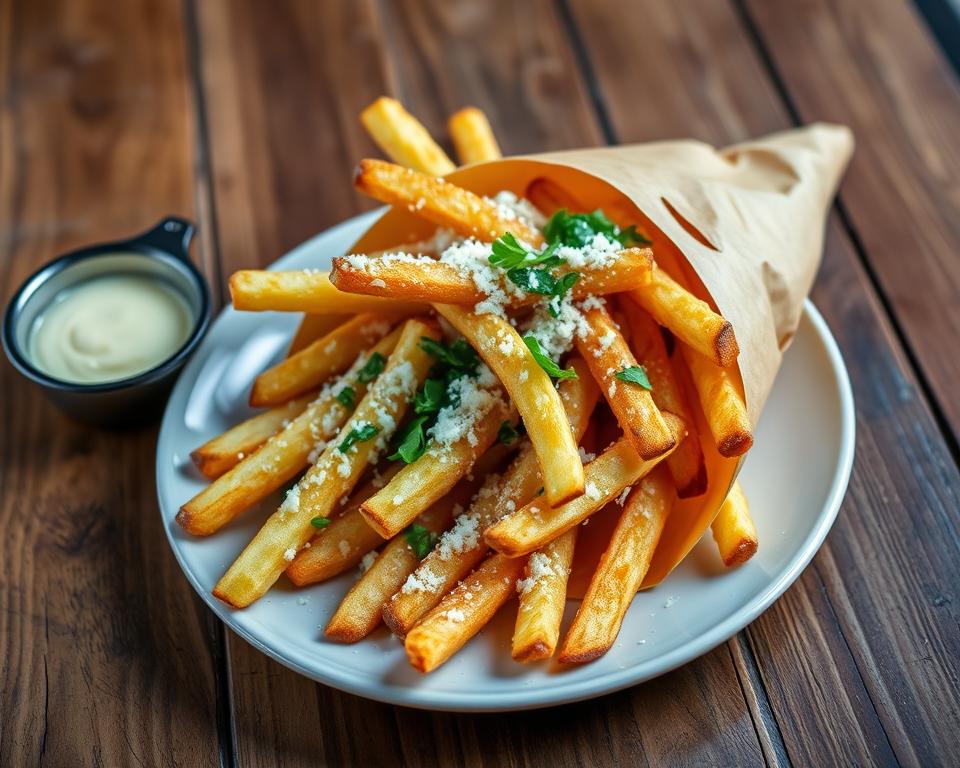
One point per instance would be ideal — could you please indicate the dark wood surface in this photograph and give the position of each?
(242, 115)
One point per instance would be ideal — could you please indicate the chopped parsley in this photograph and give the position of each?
(459, 356)
(372, 368)
(359, 435)
(531, 271)
(507, 433)
(635, 374)
(421, 540)
(430, 397)
(549, 366)
(578, 230)
(320, 522)
(412, 441)
(346, 397)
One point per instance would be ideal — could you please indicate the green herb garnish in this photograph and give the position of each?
(421, 540)
(346, 397)
(359, 435)
(507, 433)
(430, 397)
(412, 442)
(458, 356)
(635, 374)
(320, 522)
(372, 368)
(579, 229)
(549, 366)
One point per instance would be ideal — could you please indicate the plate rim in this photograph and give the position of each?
(606, 683)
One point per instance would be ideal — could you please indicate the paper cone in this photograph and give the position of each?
(743, 227)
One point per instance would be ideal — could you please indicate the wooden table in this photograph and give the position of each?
(243, 116)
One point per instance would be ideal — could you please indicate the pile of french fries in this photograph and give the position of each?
(426, 430)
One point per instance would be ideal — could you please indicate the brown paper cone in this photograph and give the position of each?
(743, 227)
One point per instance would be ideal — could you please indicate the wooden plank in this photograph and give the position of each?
(545, 107)
(842, 678)
(875, 67)
(105, 652)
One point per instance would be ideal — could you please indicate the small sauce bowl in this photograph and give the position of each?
(158, 254)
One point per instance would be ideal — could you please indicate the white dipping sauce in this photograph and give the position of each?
(109, 328)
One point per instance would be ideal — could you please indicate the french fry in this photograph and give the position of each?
(426, 279)
(549, 197)
(278, 460)
(608, 354)
(734, 530)
(689, 319)
(621, 570)
(320, 360)
(420, 484)
(335, 473)
(686, 464)
(344, 542)
(403, 138)
(462, 547)
(257, 290)
(225, 451)
(722, 404)
(438, 201)
(313, 327)
(360, 611)
(472, 136)
(537, 523)
(543, 596)
(463, 612)
(532, 393)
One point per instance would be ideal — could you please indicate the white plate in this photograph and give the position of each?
(795, 478)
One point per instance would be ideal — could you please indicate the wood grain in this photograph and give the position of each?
(105, 653)
(841, 676)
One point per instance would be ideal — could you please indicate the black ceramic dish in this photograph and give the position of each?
(160, 253)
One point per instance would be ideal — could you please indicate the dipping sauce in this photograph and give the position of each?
(109, 328)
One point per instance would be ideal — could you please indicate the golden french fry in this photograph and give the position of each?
(257, 290)
(462, 547)
(420, 484)
(403, 138)
(472, 136)
(225, 451)
(543, 596)
(463, 612)
(621, 570)
(722, 404)
(538, 523)
(532, 393)
(426, 279)
(689, 319)
(608, 354)
(313, 327)
(335, 473)
(359, 612)
(686, 464)
(549, 197)
(281, 458)
(733, 529)
(439, 201)
(320, 360)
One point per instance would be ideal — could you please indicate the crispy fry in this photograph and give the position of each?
(438, 201)
(334, 475)
(462, 548)
(543, 596)
(733, 529)
(532, 393)
(607, 353)
(322, 359)
(686, 463)
(344, 542)
(225, 451)
(472, 136)
(256, 290)
(279, 459)
(722, 404)
(549, 197)
(403, 138)
(313, 327)
(688, 318)
(420, 484)
(537, 523)
(621, 570)
(426, 279)
(463, 612)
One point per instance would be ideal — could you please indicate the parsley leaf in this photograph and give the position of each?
(561, 289)
(430, 397)
(412, 443)
(551, 368)
(507, 433)
(372, 368)
(459, 356)
(579, 229)
(359, 435)
(346, 397)
(507, 252)
(635, 374)
(421, 540)
(320, 522)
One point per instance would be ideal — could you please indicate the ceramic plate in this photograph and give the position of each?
(795, 477)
